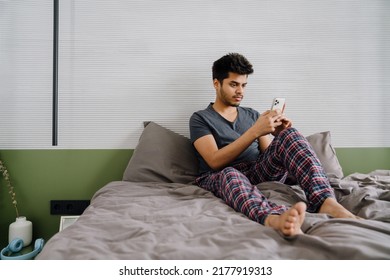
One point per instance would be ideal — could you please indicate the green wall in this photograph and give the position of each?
(43, 175)
(363, 160)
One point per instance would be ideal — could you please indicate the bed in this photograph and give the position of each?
(157, 213)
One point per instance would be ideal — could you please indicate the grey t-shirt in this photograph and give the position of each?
(208, 121)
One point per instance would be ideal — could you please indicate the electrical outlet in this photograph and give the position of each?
(68, 207)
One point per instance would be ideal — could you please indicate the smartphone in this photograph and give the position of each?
(278, 103)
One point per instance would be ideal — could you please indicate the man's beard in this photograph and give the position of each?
(228, 102)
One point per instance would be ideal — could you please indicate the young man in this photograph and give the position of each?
(236, 152)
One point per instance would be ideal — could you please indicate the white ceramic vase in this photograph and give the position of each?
(21, 228)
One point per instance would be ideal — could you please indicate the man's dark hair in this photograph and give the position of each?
(232, 62)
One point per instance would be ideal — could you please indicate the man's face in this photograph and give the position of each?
(231, 91)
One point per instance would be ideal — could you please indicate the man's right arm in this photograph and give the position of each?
(219, 158)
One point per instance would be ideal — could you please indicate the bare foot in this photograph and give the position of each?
(335, 209)
(289, 223)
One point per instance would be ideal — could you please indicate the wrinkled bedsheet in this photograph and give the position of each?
(129, 220)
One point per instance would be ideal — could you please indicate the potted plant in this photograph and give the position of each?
(4, 172)
(21, 228)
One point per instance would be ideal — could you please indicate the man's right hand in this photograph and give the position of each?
(269, 121)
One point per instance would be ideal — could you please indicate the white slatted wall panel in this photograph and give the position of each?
(124, 62)
(25, 74)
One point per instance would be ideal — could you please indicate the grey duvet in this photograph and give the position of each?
(129, 220)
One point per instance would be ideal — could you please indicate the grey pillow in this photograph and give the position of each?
(322, 146)
(162, 155)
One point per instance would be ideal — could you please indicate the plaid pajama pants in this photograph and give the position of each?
(289, 153)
